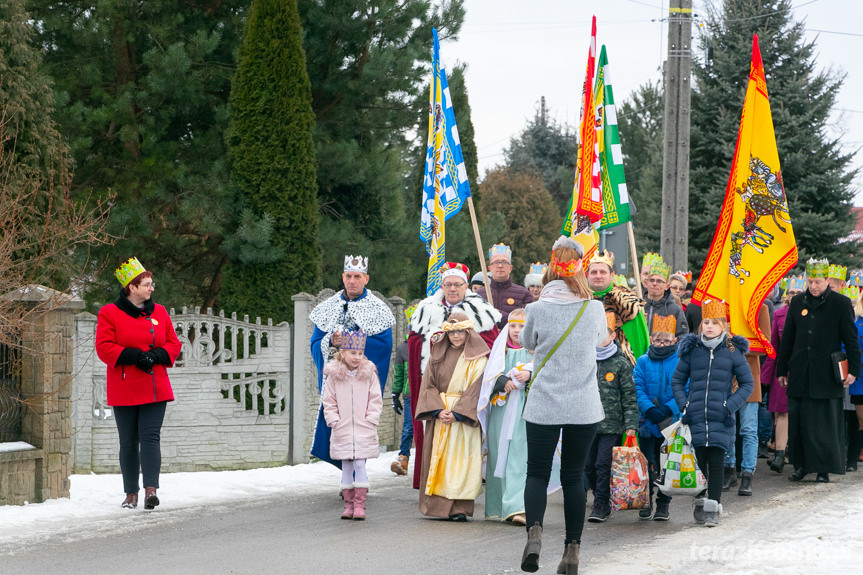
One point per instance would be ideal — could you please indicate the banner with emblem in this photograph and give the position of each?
(615, 198)
(585, 206)
(445, 185)
(754, 244)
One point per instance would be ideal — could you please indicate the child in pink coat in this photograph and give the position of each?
(352, 408)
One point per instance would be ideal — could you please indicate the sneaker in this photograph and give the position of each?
(599, 513)
(661, 513)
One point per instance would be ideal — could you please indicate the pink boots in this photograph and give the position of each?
(360, 503)
(349, 495)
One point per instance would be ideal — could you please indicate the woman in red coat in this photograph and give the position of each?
(136, 339)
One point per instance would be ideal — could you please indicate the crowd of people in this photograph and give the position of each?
(519, 390)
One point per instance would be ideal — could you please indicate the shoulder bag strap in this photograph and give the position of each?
(554, 349)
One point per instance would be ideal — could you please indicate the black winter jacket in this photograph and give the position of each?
(710, 403)
(665, 306)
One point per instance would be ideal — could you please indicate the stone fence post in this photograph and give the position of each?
(302, 371)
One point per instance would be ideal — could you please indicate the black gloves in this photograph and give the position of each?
(146, 361)
(397, 405)
(160, 356)
(654, 415)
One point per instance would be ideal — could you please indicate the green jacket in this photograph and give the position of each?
(400, 370)
(617, 392)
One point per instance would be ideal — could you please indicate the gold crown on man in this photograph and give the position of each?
(713, 309)
(128, 270)
(664, 323)
(604, 257)
(817, 268)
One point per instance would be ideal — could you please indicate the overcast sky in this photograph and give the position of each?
(520, 50)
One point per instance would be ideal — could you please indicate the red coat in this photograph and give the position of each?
(118, 330)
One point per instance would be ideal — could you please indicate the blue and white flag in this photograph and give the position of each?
(445, 185)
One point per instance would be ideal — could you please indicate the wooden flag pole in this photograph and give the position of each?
(479, 251)
(634, 258)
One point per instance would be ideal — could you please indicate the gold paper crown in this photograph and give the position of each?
(128, 270)
(664, 323)
(713, 309)
(650, 258)
(353, 340)
(817, 268)
(660, 268)
(610, 320)
(604, 257)
(837, 272)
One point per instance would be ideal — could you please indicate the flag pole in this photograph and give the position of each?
(634, 258)
(479, 251)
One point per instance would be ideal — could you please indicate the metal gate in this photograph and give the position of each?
(11, 407)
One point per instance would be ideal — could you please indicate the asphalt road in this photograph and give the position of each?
(303, 534)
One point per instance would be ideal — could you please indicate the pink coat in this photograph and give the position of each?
(352, 408)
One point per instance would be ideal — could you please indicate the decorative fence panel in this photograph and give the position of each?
(232, 393)
(11, 408)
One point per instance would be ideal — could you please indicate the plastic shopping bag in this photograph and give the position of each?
(630, 482)
(678, 470)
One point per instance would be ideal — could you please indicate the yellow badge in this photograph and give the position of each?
(152, 319)
(609, 376)
(804, 312)
(510, 301)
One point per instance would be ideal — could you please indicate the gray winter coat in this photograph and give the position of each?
(565, 390)
(664, 307)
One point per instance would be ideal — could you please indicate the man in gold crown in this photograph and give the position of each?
(819, 322)
(351, 309)
(630, 324)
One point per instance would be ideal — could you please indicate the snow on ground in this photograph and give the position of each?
(95, 499)
(812, 528)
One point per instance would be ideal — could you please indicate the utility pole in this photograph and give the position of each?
(674, 235)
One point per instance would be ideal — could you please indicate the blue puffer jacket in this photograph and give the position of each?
(856, 388)
(709, 405)
(653, 383)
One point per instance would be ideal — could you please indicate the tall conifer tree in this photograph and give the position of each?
(816, 173)
(272, 164)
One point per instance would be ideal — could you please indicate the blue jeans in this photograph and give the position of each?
(765, 420)
(748, 415)
(407, 429)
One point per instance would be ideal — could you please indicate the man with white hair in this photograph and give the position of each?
(350, 309)
(428, 319)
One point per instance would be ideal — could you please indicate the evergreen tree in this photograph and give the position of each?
(816, 174)
(640, 126)
(142, 91)
(272, 163)
(369, 62)
(531, 219)
(547, 149)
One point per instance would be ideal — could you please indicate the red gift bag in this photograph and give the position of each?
(630, 482)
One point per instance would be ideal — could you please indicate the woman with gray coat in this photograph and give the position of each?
(564, 329)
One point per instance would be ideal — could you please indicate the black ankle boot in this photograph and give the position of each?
(745, 484)
(530, 557)
(799, 473)
(778, 461)
(730, 478)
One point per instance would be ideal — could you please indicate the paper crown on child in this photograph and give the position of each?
(353, 340)
(409, 311)
(686, 275)
(817, 268)
(128, 270)
(856, 281)
(664, 323)
(604, 257)
(538, 268)
(713, 309)
(660, 268)
(650, 258)
(837, 272)
(454, 269)
(610, 320)
(797, 283)
(500, 250)
(851, 292)
(565, 269)
(357, 264)
(620, 280)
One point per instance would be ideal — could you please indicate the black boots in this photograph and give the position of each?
(530, 557)
(762, 450)
(745, 483)
(600, 512)
(151, 500)
(661, 513)
(778, 461)
(798, 474)
(569, 563)
(730, 478)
